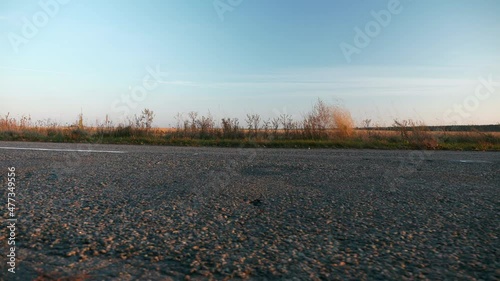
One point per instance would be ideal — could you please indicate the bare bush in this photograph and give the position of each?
(145, 120)
(253, 124)
(205, 126)
(193, 116)
(322, 114)
(286, 123)
(231, 128)
(266, 127)
(324, 118)
(416, 134)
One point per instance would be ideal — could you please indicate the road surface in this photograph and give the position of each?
(118, 212)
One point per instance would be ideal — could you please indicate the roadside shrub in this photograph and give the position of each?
(343, 122)
(123, 132)
(78, 134)
(417, 134)
(145, 120)
(52, 132)
(253, 125)
(231, 129)
(31, 135)
(9, 135)
(318, 122)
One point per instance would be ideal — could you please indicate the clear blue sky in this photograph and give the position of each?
(261, 56)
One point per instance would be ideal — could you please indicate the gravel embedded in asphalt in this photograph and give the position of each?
(172, 213)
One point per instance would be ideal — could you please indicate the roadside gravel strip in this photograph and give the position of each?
(172, 213)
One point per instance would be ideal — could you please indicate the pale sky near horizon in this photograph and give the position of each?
(431, 61)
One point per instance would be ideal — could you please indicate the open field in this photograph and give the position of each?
(409, 138)
(164, 213)
(325, 126)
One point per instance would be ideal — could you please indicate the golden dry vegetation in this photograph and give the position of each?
(323, 126)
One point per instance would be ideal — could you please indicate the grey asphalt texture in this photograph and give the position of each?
(172, 213)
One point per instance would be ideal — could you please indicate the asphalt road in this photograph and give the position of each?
(170, 213)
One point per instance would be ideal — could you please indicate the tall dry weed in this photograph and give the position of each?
(343, 121)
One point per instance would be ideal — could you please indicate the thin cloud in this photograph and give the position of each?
(31, 70)
(181, 83)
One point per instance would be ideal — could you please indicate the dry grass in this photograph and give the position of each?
(343, 122)
(324, 126)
